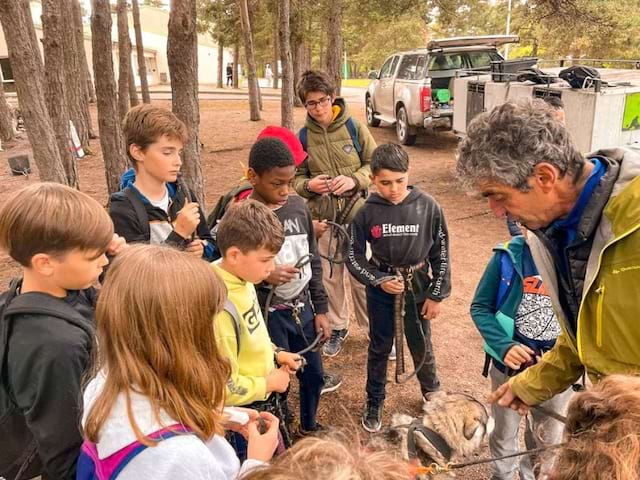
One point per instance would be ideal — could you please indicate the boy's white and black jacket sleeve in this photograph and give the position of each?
(403, 235)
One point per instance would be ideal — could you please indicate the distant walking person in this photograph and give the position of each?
(229, 74)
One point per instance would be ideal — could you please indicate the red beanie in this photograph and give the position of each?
(289, 139)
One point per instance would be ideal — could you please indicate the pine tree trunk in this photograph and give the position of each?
(276, 47)
(182, 55)
(56, 86)
(133, 92)
(334, 44)
(221, 70)
(142, 66)
(78, 31)
(111, 139)
(77, 101)
(124, 59)
(286, 102)
(254, 93)
(7, 132)
(24, 55)
(236, 64)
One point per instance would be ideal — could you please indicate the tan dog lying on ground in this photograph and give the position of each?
(452, 427)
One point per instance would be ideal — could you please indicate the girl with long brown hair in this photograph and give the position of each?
(154, 408)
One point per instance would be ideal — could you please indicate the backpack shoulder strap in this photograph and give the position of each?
(138, 206)
(223, 202)
(231, 309)
(353, 132)
(42, 304)
(302, 136)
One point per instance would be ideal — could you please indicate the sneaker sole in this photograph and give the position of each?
(370, 430)
(330, 389)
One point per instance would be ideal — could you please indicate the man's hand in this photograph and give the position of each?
(282, 274)
(505, 397)
(278, 380)
(117, 245)
(319, 227)
(430, 309)
(187, 220)
(320, 184)
(342, 184)
(322, 323)
(292, 361)
(518, 355)
(195, 248)
(393, 287)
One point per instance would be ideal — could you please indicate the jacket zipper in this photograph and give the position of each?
(600, 292)
(588, 287)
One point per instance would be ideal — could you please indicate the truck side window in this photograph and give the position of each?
(407, 69)
(441, 61)
(386, 68)
(481, 59)
(422, 60)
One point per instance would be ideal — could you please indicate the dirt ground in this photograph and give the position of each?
(227, 135)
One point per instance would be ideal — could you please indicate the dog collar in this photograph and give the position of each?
(434, 437)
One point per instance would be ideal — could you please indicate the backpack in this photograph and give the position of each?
(580, 76)
(353, 133)
(221, 206)
(92, 467)
(19, 458)
(535, 75)
(231, 309)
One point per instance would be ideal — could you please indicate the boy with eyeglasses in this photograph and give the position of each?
(334, 179)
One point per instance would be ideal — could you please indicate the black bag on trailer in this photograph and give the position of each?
(580, 76)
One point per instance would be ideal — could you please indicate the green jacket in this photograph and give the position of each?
(608, 326)
(331, 152)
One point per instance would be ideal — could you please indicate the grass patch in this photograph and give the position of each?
(356, 82)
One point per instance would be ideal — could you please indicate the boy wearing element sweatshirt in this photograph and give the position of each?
(407, 231)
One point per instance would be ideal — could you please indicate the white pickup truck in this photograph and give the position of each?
(414, 89)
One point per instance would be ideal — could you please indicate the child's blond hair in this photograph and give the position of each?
(54, 219)
(155, 335)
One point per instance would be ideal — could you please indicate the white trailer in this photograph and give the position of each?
(596, 119)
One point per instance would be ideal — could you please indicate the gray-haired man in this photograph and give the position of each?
(585, 216)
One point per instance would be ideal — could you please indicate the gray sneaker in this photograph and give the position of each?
(331, 382)
(334, 345)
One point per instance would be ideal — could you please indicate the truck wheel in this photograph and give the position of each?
(403, 130)
(372, 121)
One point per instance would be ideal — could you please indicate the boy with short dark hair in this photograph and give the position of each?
(334, 179)
(409, 240)
(154, 206)
(60, 237)
(249, 237)
(297, 302)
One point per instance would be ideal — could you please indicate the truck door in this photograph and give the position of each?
(384, 99)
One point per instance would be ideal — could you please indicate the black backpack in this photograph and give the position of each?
(580, 76)
(18, 449)
(535, 75)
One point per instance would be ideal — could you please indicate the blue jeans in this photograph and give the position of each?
(285, 333)
(381, 334)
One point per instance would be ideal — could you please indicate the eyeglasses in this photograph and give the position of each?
(310, 105)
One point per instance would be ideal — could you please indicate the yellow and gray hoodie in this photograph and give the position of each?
(254, 360)
(606, 337)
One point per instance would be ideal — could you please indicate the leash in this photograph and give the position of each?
(338, 232)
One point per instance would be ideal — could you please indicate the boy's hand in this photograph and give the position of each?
(195, 248)
(320, 184)
(505, 397)
(187, 220)
(322, 323)
(518, 355)
(292, 361)
(262, 445)
(278, 380)
(342, 184)
(393, 287)
(117, 245)
(238, 427)
(319, 227)
(282, 274)
(430, 309)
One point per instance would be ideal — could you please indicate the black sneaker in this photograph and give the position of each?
(372, 416)
(319, 429)
(334, 345)
(331, 382)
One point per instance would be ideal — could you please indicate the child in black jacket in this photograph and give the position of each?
(408, 236)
